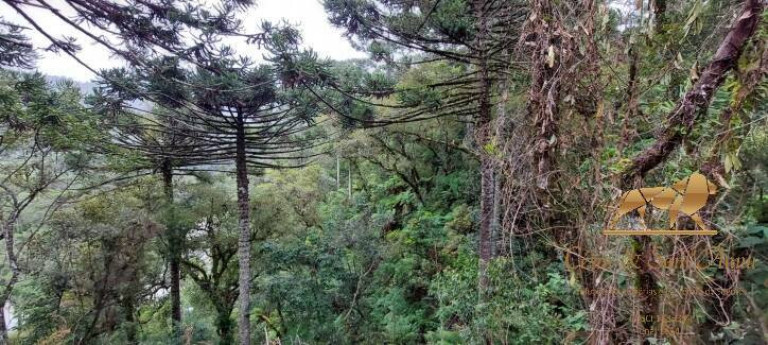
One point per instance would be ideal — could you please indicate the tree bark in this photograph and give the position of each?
(3, 329)
(167, 171)
(503, 132)
(10, 252)
(338, 171)
(244, 243)
(659, 15)
(482, 125)
(496, 215)
(349, 180)
(175, 254)
(544, 96)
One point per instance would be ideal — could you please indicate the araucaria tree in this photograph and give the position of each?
(248, 121)
(224, 112)
(475, 35)
(135, 31)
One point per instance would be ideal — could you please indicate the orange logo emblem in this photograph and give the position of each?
(687, 196)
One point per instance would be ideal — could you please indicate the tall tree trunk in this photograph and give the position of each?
(544, 96)
(503, 132)
(244, 243)
(175, 253)
(3, 328)
(482, 126)
(338, 171)
(175, 269)
(167, 171)
(496, 215)
(10, 252)
(349, 179)
(659, 8)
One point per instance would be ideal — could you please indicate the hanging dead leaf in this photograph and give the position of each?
(695, 71)
(551, 56)
(600, 110)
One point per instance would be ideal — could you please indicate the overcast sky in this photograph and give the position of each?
(308, 15)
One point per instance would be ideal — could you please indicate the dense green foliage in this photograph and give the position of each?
(443, 193)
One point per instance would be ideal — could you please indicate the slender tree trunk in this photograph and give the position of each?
(175, 293)
(659, 14)
(349, 180)
(244, 244)
(338, 171)
(10, 252)
(496, 216)
(175, 254)
(502, 135)
(3, 329)
(544, 97)
(482, 126)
